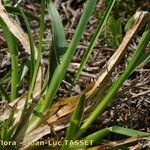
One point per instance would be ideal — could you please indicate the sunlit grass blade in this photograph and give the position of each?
(94, 40)
(12, 46)
(75, 121)
(117, 84)
(62, 67)
(128, 132)
(17, 3)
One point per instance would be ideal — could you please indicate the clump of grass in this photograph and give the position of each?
(42, 89)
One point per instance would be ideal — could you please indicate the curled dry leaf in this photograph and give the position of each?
(19, 103)
(140, 20)
(65, 110)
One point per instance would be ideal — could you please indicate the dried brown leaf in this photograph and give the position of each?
(16, 30)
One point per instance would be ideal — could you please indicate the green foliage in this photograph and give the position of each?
(115, 28)
(75, 121)
(31, 40)
(123, 8)
(98, 136)
(58, 48)
(7, 2)
(12, 48)
(94, 39)
(114, 88)
(62, 68)
(32, 114)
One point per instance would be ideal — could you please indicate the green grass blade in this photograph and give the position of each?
(75, 121)
(58, 48)
(11, 42)
(129, 24)
(59, 39)
(91, 139)
(23, 70)
(97, 137)
(128, 132)
(94, 40)
(32, 83)
(143, 60)
(46, 79)
(114, 88)
(62, 68)
(31, 40)
(7, 125)
(14, 76)
(115, 28)
(39, 49)
(7, 74)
